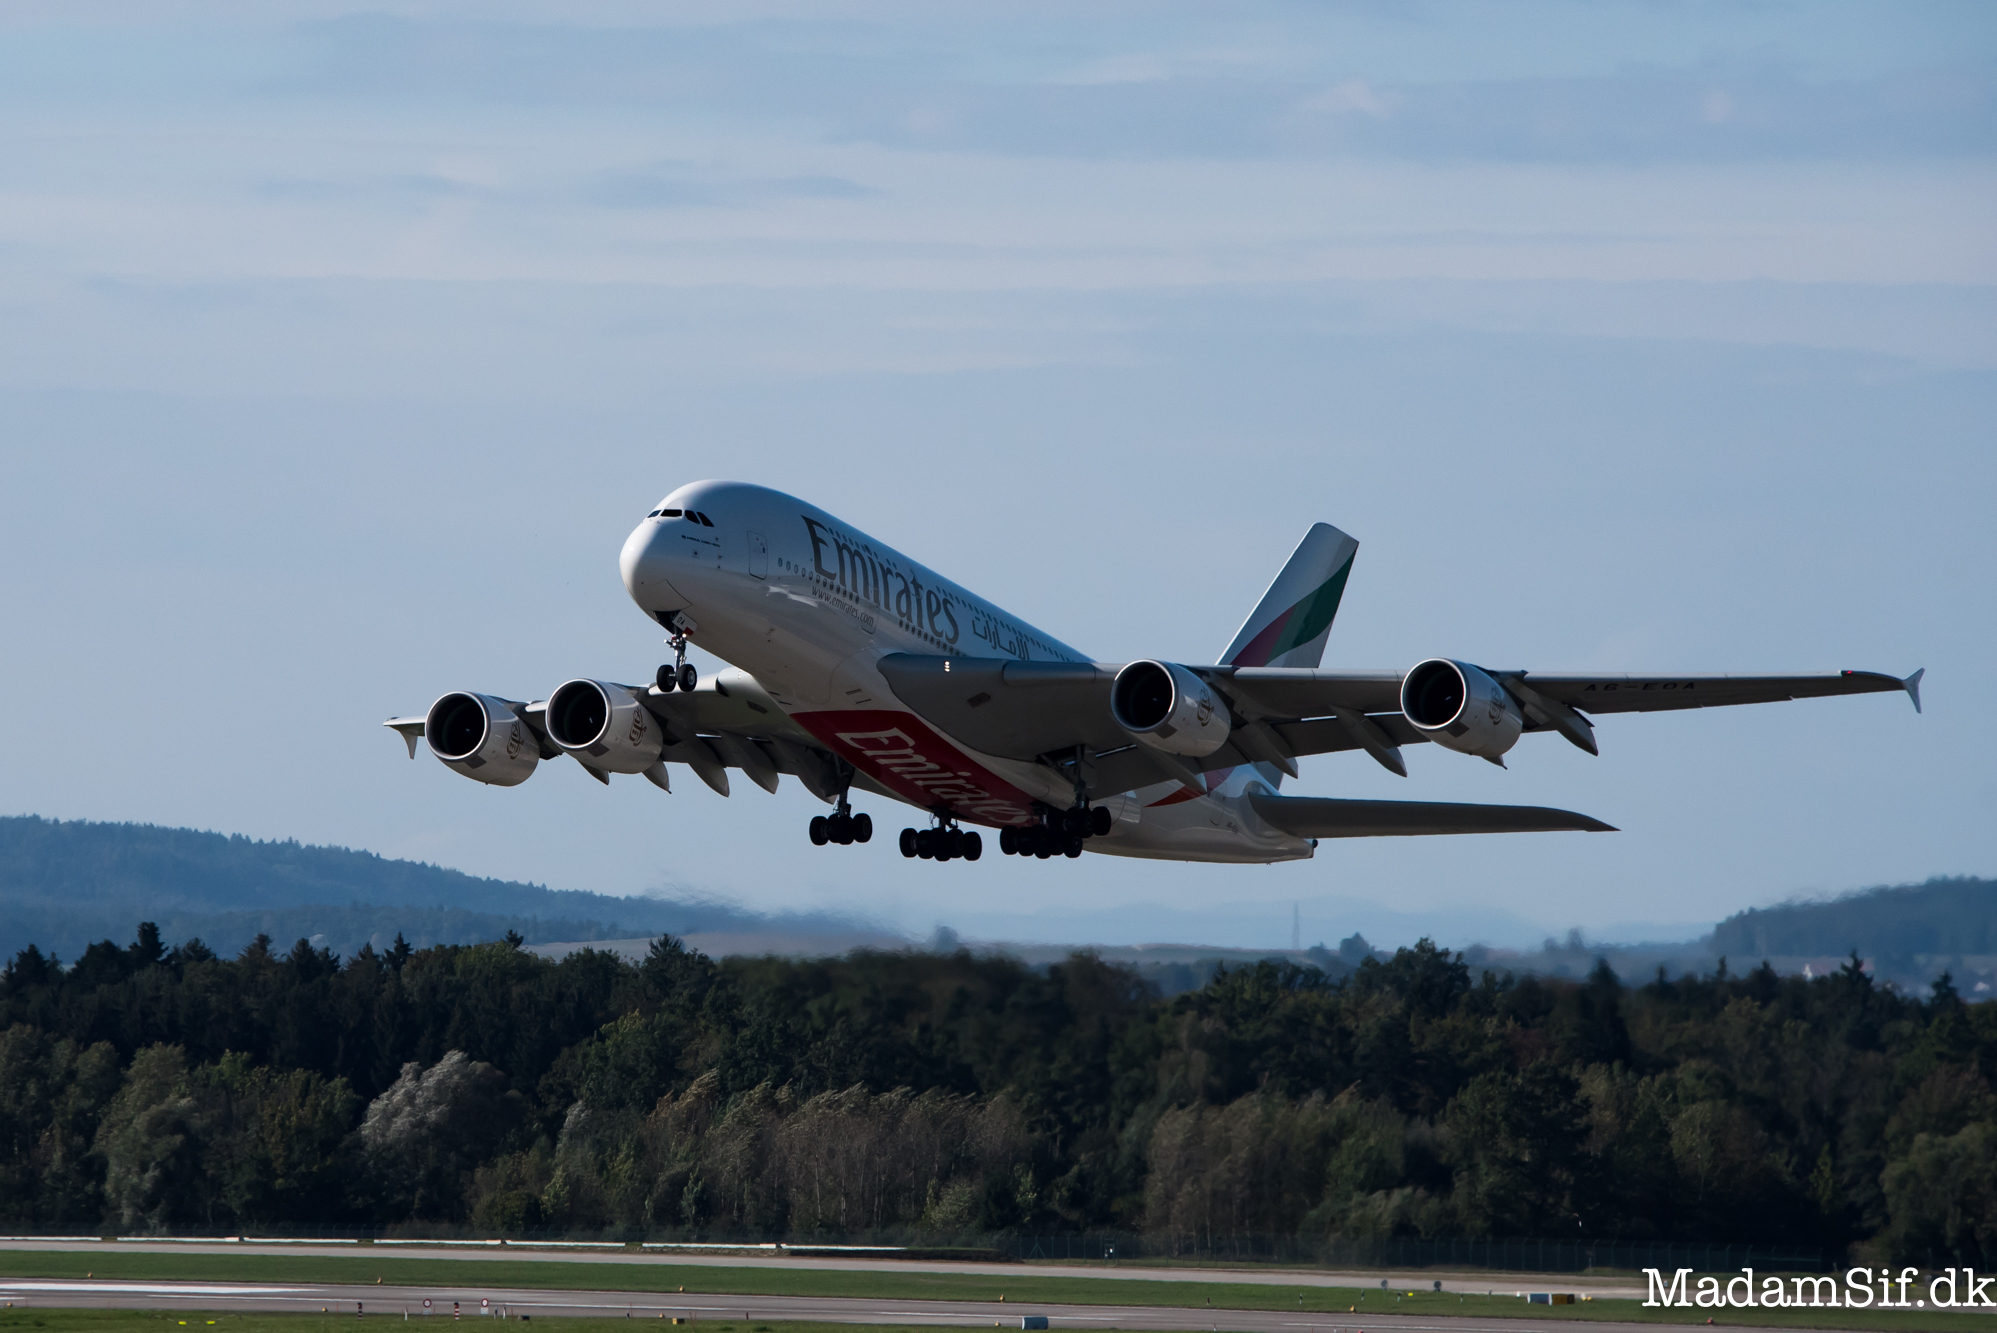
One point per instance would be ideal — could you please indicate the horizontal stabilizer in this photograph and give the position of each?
(1324, 817)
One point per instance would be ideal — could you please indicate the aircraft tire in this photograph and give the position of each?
(820, 832)
(1009, 841)
(863, 828)
(1074, 847)
(688, 677)
(1099, 821)
(666, 679)
(974, 846)
(925, 844)
(908, 843)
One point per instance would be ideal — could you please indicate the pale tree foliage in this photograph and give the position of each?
(423, 1136)
(767, 1160)
(1272, 1165)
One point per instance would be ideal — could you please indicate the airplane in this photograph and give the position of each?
(855, 669)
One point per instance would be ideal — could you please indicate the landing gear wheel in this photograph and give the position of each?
(925, 844)
(908, 836)
(1074, 848)
(821, 832)
(841, 829)
(974, 846)
(666, 679)
(688, 677)
(1075, 823)
(863, 828)
(1099, 821)
(1009, 841)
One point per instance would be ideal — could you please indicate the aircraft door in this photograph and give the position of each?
(759, 556)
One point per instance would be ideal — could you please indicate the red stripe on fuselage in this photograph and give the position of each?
(903, 754)
(1214, 777)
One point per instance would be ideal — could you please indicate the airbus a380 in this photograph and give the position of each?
(856, 669)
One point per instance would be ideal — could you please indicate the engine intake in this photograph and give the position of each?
(605, 726)
(1167, 707)
(482, 738)
(1461, 708)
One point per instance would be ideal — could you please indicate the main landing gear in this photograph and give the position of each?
(841, 826)
(679, 671)
(1059, 832)
(945, 842)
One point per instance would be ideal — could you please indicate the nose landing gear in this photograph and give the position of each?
(680, 672)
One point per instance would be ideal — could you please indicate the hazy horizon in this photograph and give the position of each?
(344, 344)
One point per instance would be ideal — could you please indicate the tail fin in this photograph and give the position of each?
(1290, 624)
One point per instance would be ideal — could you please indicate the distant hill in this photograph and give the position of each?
(1907, 934)
(1911, 926)
(64, 885)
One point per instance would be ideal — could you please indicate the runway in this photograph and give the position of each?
(1480, 1283)
(400, 1303)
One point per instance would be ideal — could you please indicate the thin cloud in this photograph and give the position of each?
(677, 185)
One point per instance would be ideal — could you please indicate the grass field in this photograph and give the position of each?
(149, 1321)
(1025, 1290)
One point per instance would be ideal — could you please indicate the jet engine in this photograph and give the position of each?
(1460, 708)
(605, 726)
(482, 738)
(1169, 708)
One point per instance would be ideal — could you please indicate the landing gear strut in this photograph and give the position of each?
(945, 842)
(679, 672)
(842, 826)
(1059, 832)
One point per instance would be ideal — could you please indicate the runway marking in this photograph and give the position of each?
(143, 1288)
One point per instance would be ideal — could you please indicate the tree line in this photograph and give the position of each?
(156, 1089)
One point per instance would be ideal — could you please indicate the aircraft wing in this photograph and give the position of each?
(1322, 817)
(1606, 693)
(1045, 710)
(729, 722)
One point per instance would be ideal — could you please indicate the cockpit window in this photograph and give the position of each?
(666, 513)
(705, 521)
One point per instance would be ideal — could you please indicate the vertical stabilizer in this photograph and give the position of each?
(1290, 624)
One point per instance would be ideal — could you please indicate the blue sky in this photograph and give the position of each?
(340, 347)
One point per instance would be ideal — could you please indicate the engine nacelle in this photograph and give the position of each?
(482, 738)
(605, 726)
(1460, 708)
(1168, 708)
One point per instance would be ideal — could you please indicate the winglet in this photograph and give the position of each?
(1912, 685)
(411, 729)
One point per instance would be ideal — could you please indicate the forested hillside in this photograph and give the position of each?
(155, 1089)
(1906, 929)
(63, 885)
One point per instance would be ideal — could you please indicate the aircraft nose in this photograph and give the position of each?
(643, 564)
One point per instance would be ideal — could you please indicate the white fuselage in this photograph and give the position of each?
(808, 605)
